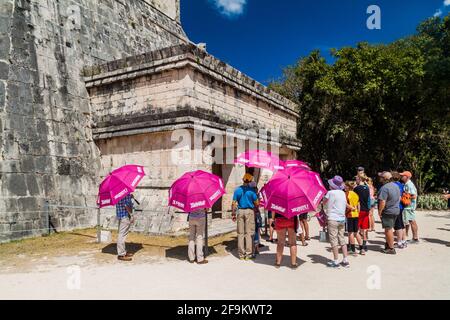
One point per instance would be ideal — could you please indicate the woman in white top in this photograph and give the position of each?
(335, 204)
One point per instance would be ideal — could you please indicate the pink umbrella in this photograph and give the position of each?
(118, 184)
(293, 191)
(296, 164)
(196, 190)
(259, 159)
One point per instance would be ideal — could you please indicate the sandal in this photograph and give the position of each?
(277, 265)
(294, 266)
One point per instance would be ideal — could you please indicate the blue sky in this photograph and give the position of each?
(260, 37)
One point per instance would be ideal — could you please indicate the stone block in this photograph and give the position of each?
(16, 184)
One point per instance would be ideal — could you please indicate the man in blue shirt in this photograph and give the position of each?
(245, 202)
(124, 209)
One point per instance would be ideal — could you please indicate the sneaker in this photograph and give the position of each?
(362, 252)
(191, 261)
(345, 264)
(389, 251)
(332, 264)
(365, 249)
(401, 246)
(242, 258)
(261, 245)
(252, 257)
(414, 241)
(203, 262)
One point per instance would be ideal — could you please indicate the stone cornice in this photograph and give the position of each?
(184, 118)
(178, 57)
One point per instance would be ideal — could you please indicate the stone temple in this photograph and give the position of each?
(89, 85)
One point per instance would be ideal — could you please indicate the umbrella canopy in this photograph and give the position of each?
(196, 190)
(293, 191)
(295, 163)
(259, 159)
(118, 184)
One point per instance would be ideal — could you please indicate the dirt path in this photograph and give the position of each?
(418, 272)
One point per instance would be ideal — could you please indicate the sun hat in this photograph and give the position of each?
(406, 174)
(385, 174)
(337, 183)
(247, 177)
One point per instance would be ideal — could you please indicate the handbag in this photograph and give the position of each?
(321, 218)
(323, 236)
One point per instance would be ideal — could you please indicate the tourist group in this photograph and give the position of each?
(284, 205)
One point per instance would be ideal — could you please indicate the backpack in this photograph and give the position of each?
(406, 199)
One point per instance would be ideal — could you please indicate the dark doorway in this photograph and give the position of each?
(217, 207)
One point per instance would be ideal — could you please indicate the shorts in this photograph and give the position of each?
(409, 214)
(336, 233)
(399, 225)
(388, 221)
(352, 224)
(303, 216)
(282, 223)
(363, 220)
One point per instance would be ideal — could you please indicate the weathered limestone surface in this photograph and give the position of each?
(139, 103)
(46, 145)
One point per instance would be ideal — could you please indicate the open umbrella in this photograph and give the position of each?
(293, 191)
(259, 159)
(118, 184)
(195, 191)
(295, 163)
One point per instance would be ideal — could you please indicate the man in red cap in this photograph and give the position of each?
(409, 212)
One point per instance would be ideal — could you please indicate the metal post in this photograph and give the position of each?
(47, 216)
(98, 226)
(206, 236)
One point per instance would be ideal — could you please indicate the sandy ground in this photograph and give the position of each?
(418, 272)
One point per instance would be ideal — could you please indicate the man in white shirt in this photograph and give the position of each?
(409, 212)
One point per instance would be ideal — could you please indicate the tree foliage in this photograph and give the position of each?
(381, 106)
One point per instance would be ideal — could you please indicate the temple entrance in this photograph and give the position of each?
(217, 207)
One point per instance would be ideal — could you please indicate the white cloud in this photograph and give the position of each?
(230, 8)
(446, 2)
(438, 13)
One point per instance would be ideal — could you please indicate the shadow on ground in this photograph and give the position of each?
(269, 259)
(130, 247)
(437, 241)
(318, 259)
(181, 252)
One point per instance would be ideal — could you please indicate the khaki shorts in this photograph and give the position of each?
(336, 233)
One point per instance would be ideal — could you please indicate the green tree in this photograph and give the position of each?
(380, 106)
